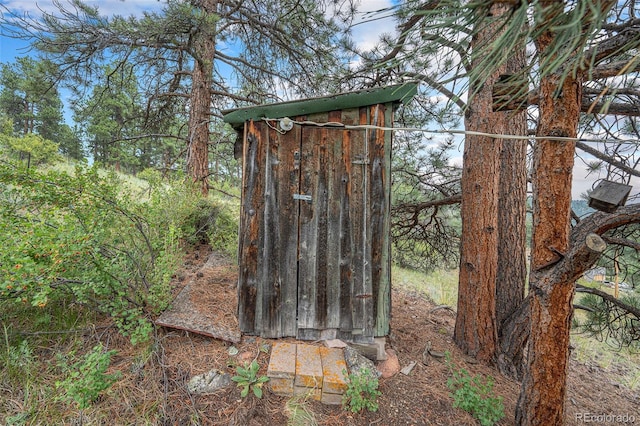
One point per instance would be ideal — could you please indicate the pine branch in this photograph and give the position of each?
(602, 156)
(625, 41)
(405, 29)
(609, 298)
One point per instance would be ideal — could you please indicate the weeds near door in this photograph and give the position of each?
(247, 379)
(362, 392)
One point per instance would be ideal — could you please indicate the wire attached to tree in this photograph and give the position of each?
(339, 125)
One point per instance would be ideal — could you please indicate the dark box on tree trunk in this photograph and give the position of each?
(608, 196)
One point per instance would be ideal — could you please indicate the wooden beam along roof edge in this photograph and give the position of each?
(401, 93)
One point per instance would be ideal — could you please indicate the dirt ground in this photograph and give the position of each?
(422, 398)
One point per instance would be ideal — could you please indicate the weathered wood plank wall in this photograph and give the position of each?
(316, 268)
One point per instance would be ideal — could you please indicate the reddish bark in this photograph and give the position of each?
(512, 235)
(476, 331)
(203, 45)
(542, 396)
(492, 257)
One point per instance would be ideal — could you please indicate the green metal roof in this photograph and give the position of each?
(378, 95)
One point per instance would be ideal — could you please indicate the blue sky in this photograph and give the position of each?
(364, 34)
(10, 48)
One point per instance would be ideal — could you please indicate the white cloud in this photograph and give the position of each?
(126, 7)
(105, 7)
(12, 48)
(30, 7)
(581, 181)
(370, 23)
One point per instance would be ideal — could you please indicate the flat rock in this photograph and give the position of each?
(197, 307)
(308, 367)
(209, 382)
(391, 366)
(357, 362)
(282, 368)
(374, 350)
(333, 369)
(408, 368)
(335, 343)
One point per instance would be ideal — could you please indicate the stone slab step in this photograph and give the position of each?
(302, 369)
(282, 368)
(334, 368)
(308, 367)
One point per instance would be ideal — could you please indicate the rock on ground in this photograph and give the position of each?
(391, 366)
(357, 362)
(208, 382)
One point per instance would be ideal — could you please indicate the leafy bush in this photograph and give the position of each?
(214, 221)
(87, 236)
(223, 235)
(87, 378)
(475, 395)
(362, 392)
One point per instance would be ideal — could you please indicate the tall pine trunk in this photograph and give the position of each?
(203, 45)
(476, 330)
(492, 253)
(512, 236)
(543, 392)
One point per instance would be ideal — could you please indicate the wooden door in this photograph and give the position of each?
(314, 246)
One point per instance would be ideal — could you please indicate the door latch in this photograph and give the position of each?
(296, 160)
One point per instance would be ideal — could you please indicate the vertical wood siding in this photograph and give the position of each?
(319, 268)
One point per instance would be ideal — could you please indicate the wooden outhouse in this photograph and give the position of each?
(314, 250)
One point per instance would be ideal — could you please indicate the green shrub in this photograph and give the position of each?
(87, 236)
(223, 235)
(607, 322)
(200, 221)
(87, 378)
(33, 149)
(475, 395)
(362, 392)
